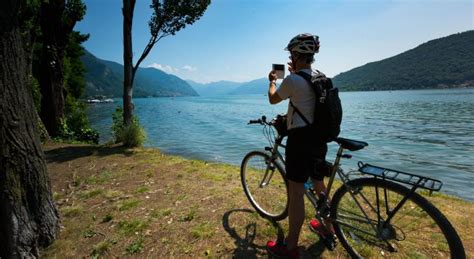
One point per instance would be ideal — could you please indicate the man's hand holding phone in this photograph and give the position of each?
(279, 70)
(272, 76)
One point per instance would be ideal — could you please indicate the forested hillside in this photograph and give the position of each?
(105, 78)
(441, 63)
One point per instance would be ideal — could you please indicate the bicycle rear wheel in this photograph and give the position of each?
(417, 229)
(265, 185)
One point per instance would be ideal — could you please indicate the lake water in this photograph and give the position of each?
(427, 132)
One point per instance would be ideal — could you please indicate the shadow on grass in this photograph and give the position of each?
(64, 154)
(245, 242)
(315, 250)
(245, 246)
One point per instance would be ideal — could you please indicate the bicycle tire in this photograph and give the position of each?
(426, 222)
(270, 201)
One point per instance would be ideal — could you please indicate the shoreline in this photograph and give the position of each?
(341, 90)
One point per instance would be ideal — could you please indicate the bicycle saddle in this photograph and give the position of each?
(350, 144)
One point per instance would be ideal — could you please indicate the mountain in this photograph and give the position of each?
(257, 86)
(440, 63)
(105, 78)
(100, 79)
(214, 88)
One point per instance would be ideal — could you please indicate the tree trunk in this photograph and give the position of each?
(128, 7)
(51, 78)
(51, 82)
(28, 216)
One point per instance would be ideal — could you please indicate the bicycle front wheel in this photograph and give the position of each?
(362, 221)
(265, 185)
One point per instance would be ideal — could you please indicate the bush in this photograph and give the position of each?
(76, 126)
(132, 135)
(117, 124)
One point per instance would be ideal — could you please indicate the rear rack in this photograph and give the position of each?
(401, 177)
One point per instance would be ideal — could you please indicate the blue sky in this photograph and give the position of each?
(238, 40)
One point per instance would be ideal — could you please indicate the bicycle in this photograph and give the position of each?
(375, 212)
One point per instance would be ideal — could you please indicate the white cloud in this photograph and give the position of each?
(189, 68)
(188, 72)
(165, 68)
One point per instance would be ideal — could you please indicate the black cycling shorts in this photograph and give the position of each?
(305, 156)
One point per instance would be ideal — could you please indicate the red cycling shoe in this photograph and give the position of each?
(329, 239)
(318, 228)
(279, 249)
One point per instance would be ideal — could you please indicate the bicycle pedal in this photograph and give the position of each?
(330, 242)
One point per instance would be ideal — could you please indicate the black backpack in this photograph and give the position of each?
(327, 109)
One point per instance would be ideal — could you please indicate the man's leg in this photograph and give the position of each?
(319, 186)
(295, 213)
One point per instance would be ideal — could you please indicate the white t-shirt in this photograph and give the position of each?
(301, 95)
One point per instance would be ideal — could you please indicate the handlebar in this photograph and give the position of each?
(274, 130)
(261, 121)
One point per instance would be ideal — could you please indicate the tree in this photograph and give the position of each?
(28, 215)
(169, 16)
(31, 31)
(57, 20)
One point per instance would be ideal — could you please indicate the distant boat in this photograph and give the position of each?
(100, 100)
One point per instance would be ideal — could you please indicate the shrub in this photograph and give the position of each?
(132, 135)
(117, 124)
(76, 127)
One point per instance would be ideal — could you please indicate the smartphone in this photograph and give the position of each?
(279, 70)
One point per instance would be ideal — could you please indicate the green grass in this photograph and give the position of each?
(101, 178)
(142, 189)
(202, 230)
(57, 196)
(107, 218)
(90, 193)
(88, 233)
(131, 227)
(189, 216)
(100, 249)
(165, 241)
(72, 211)
(181, 197)
(215, 177)
(128, 204)
(110, 194)
(161, 213)
(135, 247)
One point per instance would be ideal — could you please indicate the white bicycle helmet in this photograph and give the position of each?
(304, 43)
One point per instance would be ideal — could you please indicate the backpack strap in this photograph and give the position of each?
(326, 85)
(308, 78)
(299, 113)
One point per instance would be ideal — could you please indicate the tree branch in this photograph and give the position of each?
(146, 51)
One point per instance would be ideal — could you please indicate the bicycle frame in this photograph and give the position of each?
(323, 205)
(312, 197)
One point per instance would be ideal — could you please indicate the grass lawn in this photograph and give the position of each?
(117, 202)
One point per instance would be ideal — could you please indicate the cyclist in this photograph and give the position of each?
(305, 156)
